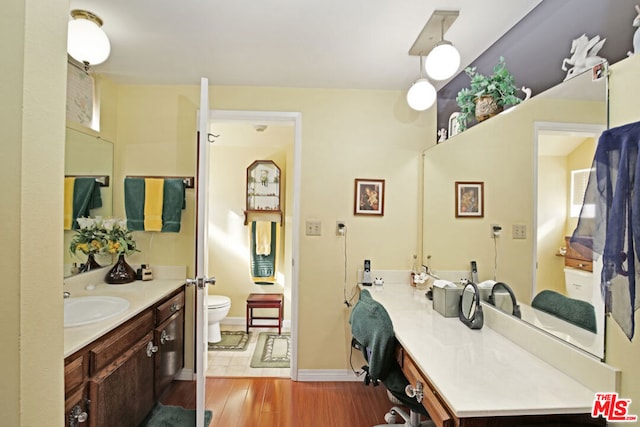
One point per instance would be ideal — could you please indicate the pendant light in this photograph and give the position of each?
(86, 41)
(443, 60)
(421, 94)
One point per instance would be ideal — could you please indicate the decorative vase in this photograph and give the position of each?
(91, 264)
(486, 107)
(121, 272)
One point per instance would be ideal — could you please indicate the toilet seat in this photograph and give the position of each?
(217, 301)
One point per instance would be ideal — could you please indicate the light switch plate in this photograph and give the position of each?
(313, 228)
(519, 231)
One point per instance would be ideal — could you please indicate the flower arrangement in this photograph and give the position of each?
(500, 86)
(102, 236)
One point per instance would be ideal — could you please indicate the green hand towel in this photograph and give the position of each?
(134, 203)
(577, 312)
(86, 196)
(173, 203)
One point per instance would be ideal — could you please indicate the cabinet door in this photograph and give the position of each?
(122, 394)
(169, 337)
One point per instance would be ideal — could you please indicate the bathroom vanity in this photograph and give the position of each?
(116, 369)
(481, 377)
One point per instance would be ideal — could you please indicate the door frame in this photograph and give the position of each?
(294, 118)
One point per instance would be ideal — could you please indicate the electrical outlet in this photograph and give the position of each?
(313, 228)
(519, 231)
(341, 227)
(496, 230)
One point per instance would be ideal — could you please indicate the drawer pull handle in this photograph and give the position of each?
(175, 307)
(77, 416)
(165, 337)
(151, 349)
(416, 391)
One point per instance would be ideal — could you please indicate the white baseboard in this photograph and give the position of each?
(315, 375)
(286, 323)
(185, 375)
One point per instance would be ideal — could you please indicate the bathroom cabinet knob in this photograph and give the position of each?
(77, 416)
(165, 337)
(416, 391)
(151, 349)
(175, 307)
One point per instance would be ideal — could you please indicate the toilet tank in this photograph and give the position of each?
(579, 284)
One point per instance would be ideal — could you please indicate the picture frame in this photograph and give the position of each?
(369, 195)
(469, 199)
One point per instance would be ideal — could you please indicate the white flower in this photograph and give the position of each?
(108, 224)
(85, 223)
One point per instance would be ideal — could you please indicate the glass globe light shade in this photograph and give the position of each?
(87, 42)
(421, 95)
(442, 62)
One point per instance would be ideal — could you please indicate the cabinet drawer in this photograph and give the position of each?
(579, 264)
(437, 411)
(169, 307)
(115, 343)
(74, 372)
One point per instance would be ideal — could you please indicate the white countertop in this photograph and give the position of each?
(140, 295)
(478, 372)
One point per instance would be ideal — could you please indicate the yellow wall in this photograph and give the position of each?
(624, 92)
(32, 117)
(346, 134)
(237, 147)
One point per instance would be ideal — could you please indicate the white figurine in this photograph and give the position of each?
(442, 134)
(584, 55)
(527, 92)
(636, 35)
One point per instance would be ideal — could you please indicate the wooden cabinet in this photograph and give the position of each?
(116, 380)
(578, 256)
(169, 336)
(263, 192)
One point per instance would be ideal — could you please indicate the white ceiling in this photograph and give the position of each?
(355, 44)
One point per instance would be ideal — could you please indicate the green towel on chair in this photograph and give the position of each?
(577, 312)
(86, 196)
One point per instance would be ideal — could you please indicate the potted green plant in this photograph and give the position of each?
(487, 95)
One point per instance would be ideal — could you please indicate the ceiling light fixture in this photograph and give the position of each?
(421, 94)
(443, 61)
(86, 41)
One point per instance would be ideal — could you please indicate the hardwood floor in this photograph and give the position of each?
(281, 402)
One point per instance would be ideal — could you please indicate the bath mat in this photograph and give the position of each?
(173, 416)
(231, 341)
(272, 350)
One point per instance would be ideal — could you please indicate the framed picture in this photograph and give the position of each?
(469, 199)
(369, 197)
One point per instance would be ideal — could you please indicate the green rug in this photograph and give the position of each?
(173, 416)
(231, 341)
(272, 350)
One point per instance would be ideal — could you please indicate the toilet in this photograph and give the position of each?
(579, 284)
(219, 306)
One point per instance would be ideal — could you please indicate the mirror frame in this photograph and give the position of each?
(476, 319)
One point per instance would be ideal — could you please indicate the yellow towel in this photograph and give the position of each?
(263, 237)
(153, 200)
(69, 184)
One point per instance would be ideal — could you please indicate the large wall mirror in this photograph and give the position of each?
(87, 154)
(531, 160)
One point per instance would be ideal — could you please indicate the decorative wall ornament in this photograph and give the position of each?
(527, 92)
(636, 35)
(584, 55)
(454, 126)
(442, 135)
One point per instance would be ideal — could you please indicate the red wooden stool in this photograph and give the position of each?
(265, 301)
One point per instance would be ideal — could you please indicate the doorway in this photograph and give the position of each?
(237, 139)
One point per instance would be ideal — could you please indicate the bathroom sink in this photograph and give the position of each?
(86, 310)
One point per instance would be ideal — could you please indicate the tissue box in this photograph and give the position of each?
(446, 301)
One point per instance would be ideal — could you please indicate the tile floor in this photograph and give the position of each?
(236, 363)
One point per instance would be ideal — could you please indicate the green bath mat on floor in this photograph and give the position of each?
(174, 416)
(231, 341)
(272, 350)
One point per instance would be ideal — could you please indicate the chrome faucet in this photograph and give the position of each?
(66, 294)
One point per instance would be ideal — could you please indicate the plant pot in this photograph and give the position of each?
(121, 272)
(486, 107)
(91, 264)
